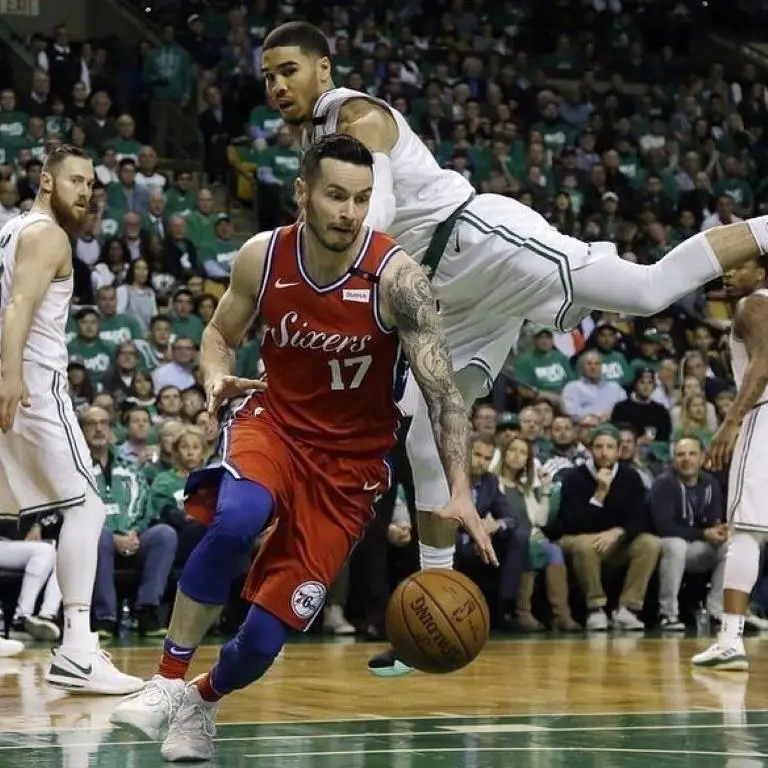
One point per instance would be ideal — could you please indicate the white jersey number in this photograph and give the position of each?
(361, 366)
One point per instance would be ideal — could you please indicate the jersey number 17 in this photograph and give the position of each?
(350, 372)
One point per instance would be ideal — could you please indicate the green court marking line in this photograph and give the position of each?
(432, 717)
(442, 731)
(516, 728)
(583, 750)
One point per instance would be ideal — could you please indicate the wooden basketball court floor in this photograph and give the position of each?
(530, 703)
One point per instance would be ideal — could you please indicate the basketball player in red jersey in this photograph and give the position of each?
(306, 454)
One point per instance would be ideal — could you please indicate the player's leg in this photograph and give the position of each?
(437, 537)
(749, 528)
(613, 284)
(48, 428)
(287, 584)
(37, 560)
(243, 509)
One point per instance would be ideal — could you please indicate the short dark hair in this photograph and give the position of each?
(57, 156)
(336, 146)
(301, 34)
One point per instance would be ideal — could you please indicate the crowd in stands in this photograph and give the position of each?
(590, 112)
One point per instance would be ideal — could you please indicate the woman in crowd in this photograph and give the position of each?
(532, 509)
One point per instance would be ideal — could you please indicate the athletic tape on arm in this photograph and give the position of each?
(382, 208)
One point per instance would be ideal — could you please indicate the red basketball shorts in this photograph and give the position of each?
(323, 502)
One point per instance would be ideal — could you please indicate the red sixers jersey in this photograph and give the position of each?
(334, 370)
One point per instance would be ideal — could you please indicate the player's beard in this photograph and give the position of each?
(71, 220)
(337, 247)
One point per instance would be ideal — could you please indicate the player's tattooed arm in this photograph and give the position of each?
(411, 305)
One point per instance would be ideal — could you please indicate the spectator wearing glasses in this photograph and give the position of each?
(129, 536)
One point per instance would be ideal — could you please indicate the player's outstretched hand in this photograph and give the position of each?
(463, 511)
(721, 448)
(229, 388)
(12, 394)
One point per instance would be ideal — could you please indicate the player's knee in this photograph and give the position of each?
(743, 563)
(243, 509)
(262, 633)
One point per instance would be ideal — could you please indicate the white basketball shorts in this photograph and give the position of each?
(44, 460)
(747, 508)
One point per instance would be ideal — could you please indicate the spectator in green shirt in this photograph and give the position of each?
(615, 365)
(167, 73)
(183, 319)
(217, 260)
(545, 369)
(95, 353)
(125, 144)
(130, 536)
(166, 499)
(115, 328)
(180, 199)
(200, 223)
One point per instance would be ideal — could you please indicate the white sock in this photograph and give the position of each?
(731, 629)
(436, 557)
(76, 566)
(38, 569)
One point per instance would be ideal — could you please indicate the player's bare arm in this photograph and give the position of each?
(370, 123)
(375, 127)
(43, 255)
(409, 304)
(233, 317)
(751, 326)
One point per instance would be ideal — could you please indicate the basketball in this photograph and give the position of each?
(437, 621)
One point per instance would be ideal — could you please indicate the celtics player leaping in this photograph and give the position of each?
(494, 262)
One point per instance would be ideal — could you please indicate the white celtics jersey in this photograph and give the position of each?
(740, 356)
(47, 341)
(426, 194)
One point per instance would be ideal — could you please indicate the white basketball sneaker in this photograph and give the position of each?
(89, 670)
(191, 733)
(727, 657)
(151, 710)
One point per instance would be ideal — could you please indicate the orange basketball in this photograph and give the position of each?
(437, 621)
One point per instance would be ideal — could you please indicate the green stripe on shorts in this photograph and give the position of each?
(559, 259)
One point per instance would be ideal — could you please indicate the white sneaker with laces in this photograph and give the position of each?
(89, 670)
(623, 618)
(597, 621)
(335, 622)
(727, 657)
(192, 730)
(10, 647)
(151, 710)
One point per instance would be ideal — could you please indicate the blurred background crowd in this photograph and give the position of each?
(639, 122)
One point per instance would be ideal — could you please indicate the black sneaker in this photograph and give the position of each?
(106, 629)
(42, 628)
(388, 665)
(149, 624)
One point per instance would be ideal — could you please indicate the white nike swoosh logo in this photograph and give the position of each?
(373, 487)
(280, 284)
(177, 652)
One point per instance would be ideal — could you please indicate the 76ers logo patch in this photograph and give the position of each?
(308, 599)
